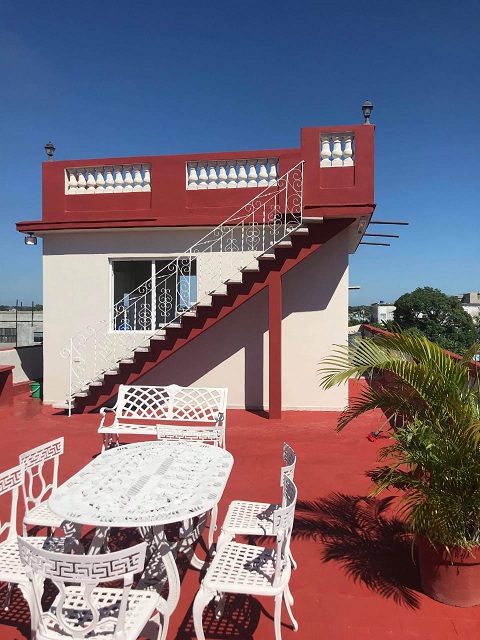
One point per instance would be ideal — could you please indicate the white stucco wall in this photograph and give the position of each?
(233, 353)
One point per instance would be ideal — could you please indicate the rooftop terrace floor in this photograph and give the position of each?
(356, 578)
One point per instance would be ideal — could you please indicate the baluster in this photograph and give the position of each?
(137, 177)
(146, 178)
(82, 183)
(100, 180)
(109, 181)
(72, 181)
(263, 173)
(252, 173)
(90, 181)
(337, 151)
(212, 176)
(192, 176)
(222, 174)
(203, 177)
(242, 174)
(128, 180)
(272, 174)
(118, 179)
(325, 153)
(348, 150)
(232, 175)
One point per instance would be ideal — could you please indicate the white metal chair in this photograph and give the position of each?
(251, 570)
(256, 518)
(190, 434)
(82, 607)
(37, 487)
(11, 568)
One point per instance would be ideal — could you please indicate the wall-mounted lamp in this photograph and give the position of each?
(362, 224)
(367, 108)
(49, 150)
(31, 239)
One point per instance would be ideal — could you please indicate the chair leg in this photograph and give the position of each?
(8, 597)
(213, 526)
(223, 538)
(288, 604)
(202, 598)
(278, 616)
(292, 560)
(220, 608)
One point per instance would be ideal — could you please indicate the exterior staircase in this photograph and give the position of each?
(285, 255)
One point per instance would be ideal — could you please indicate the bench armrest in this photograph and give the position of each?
(103, 413)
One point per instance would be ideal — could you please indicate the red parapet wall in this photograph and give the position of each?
(328, 191)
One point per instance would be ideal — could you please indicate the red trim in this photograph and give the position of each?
(6, 385)
(275, 345)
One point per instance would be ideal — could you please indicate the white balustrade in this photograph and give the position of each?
(112, 179)
(336, 150)
(232, 174)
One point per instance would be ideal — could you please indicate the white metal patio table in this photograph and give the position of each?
(146, 485)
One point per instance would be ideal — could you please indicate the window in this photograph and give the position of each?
(150, 293)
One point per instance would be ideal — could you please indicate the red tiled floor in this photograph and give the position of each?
(358, 583)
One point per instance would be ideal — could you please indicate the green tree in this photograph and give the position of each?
(439, 317)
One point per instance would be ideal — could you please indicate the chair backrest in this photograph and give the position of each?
(77, 575)
(10, 481)
(283, 519)
(36, 485)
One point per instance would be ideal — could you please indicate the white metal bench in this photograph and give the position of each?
(166, 412)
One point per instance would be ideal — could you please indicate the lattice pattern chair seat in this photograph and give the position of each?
(83, 607)
(256, 518)
(37, 486)
(248, 569)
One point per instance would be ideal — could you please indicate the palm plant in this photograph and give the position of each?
(435, 452)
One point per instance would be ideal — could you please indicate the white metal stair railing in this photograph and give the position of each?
(221, 256)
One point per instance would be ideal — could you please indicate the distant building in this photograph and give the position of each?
(381, 311)
(471, 303)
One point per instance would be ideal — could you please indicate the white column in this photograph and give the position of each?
(212, 175)
(146, 178)
(252, 173)
(242, 174)
(325, 153)
(222, 174)
(232, 175)
(263, 173)
(202, 176)
(100, 180)
(192, 176)
(137, 177)
(82, 183)
(348, 150)
(272, 174)
(118, 179)
(128, 180)
(109, 181)
(337, 151)
(72, 182)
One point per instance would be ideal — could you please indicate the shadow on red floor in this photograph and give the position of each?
(356, 577)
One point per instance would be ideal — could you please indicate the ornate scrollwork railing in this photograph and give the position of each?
(186, 281)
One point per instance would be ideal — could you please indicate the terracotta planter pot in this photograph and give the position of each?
(453, 578)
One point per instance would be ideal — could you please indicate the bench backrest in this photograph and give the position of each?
(171, 404)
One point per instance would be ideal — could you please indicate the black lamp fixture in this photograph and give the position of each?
(49, 150)
(367, 108)
(31, 239)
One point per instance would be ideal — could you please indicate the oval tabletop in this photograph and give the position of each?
(146, 483)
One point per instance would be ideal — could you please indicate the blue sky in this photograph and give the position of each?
(123, 78)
